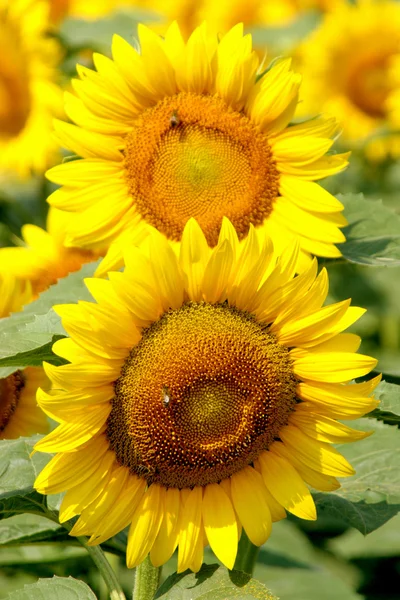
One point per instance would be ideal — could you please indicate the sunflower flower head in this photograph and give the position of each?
(349, 67)
(19, 413)
(43, 259)
(180, 130)
(202, 396)
(29, 94)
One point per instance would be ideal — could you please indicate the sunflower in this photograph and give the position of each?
(349, 67)
(19, 413)
(29, 94)
(193, 130)
(202, 393)
(44, 259)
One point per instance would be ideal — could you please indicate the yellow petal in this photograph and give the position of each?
(312, 326)
(193, 258)
(101, 507)
(217, 273)
(191, 524)
(308, 195)
(87, 144)
(84, 171)
(81, 375)
(81, 495)
(318, 481)
(333, 367)
(167, 272)
(317, 455)
(121, 514)
(145, 525)
(220, 524)
(66, 470)
(63, 406)
(168, 536)
(251, 504)
(69, 436)
(325, 429)
(336, 400)
(342, 342)
(277, 511)
(286, 485)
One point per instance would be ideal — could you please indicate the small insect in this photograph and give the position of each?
(174, 120)
(166, 395)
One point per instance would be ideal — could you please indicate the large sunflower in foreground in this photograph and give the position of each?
(202, 393)
(349, 66)
(19, 412)
(43, 259)
(29, 94)
(193, 130)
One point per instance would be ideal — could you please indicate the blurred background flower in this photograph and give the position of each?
(29, 93)
(350, 70)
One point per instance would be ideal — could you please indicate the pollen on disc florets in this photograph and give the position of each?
(194, 156)
(10, 392)
(203, 393)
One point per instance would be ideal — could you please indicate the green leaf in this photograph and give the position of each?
(18, 472)
(389, 408)
(34, 358)
(383, 542)
(288, 552)
(303, 584)
(212, 582)
(31, 529)
(57, 588)
(373, 232)
(371, 496)
(27, 336)
(41, 554)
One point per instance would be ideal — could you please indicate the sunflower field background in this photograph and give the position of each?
(304, 101)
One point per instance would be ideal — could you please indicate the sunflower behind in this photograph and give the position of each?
(349, 68)
(19, 412)
(44, 259)
(201, 397)
(194, 133)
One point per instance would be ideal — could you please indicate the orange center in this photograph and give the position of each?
(202, 394)
(368, 81)
(193, 156)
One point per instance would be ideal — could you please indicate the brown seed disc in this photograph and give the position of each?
(202, 394)
(10, 392)
(194, 156)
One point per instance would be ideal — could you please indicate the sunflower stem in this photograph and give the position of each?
(101, 562)
(247, 555)
(147, 580)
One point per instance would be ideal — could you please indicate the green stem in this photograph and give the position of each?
(101, 562)
(247, 555)
(147, 580)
